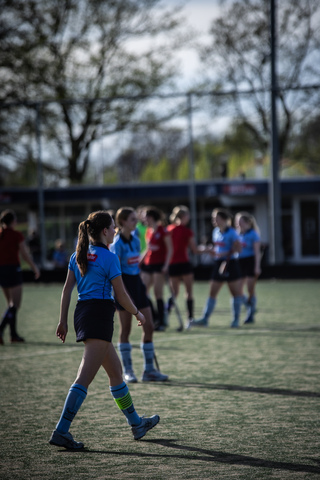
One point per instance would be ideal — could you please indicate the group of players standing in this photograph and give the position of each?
(165, 255)
(235, 249)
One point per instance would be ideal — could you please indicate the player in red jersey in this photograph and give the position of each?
(180, 268)
(156, 259)
(12, 245)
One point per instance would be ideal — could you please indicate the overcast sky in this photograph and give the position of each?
(199, 15)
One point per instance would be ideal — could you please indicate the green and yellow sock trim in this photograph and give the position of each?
(124, 402)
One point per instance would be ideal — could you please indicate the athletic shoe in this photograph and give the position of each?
(154, 376)
(189, 323)
(17, 339)
(145, 425)
(65, 440)
(130, 377)
(249, 320)
(202, 322)
(234, 324)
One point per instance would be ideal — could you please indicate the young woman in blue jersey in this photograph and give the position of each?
(226, 267)
(249, 259)
(95, 271)
(127, 247)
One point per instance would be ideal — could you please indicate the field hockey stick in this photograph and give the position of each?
(156, 361)
(223, 269)
(173, 299)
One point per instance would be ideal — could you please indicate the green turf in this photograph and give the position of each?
(240, 404)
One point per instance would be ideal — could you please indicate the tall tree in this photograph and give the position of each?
(306, 146)
(82, 49)
(238, 58)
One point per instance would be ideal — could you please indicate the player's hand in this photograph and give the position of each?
(36, 273)
(140, 319)
(62, 331)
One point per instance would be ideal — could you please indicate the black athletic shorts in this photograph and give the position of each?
(247, 266)
(155, 268)
(232, 273)
(180, 269)
(137, 291)
(10, 276)
(94, 319)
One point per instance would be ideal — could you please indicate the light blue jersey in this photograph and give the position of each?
(103, 266)
(223, 242)
(128, 252)
(248, 239)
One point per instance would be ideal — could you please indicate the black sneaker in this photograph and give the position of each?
(65, 440)
(17, 339)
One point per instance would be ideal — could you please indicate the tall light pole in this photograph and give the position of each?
(192, 186)
(274, 186)
(40, 188)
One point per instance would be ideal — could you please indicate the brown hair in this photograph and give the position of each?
(90, 229)
(223, 213)
(123, 214)
(155, 213)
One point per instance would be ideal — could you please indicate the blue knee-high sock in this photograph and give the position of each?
(125, 354)
(251, 308)
(123, 399)
(236, 308)
(208, 309)
(148, 356)
(253, 302)
(74, 400)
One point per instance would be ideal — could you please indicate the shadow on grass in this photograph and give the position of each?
(240, 388)
(206, 455)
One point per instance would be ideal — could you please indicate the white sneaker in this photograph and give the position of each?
(189, 324)
(65, 440)
(154, 376)
(130, 377)
(145, 425)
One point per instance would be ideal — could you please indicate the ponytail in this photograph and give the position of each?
(82, 248)
(90, 229)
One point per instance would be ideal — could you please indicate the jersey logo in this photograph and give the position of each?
(133, 260)
(92, 257)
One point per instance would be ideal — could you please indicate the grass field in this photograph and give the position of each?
(240, 404)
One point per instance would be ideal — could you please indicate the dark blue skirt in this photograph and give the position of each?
(94, 319)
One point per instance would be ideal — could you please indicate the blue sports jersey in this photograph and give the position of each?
(248, 239)
(223, 241)
(128, 252)
(103, 266)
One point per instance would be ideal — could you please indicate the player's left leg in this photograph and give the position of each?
(125, 347)
(252, 300)
(150, 374)
(188, 283)
(235, 290)
(122, 397)
(15, 294)
(159, 280)
(94, 353)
